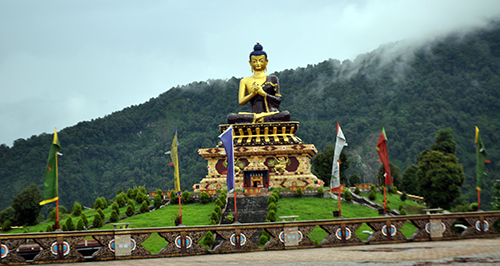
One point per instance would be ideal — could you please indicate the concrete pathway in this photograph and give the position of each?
(457, 252)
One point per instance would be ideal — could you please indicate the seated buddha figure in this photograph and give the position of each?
(262, 91)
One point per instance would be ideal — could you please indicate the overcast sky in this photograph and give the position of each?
(62, 62)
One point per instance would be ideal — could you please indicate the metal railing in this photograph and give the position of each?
(186, 240)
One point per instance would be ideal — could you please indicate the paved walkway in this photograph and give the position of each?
(458, 252)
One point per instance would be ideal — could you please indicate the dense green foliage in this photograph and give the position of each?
(439, 175)
(27, 205)
(323, 161)
(395, 175)
(452, 82)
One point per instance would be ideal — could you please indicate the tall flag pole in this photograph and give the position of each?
(227, 141)
(50, 185)
(335, 180)
(384, 157)
(175, 161)
(481, 159)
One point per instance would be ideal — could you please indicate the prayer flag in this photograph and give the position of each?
(227, 141)
(339, 145)
(50, 185)
(384, 156)
(481, 159)
(175, 161)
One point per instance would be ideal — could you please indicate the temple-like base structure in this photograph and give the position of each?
(266, 155)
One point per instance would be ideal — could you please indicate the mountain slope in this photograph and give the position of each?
(412, 90)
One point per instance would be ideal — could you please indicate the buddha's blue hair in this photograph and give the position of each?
(257, 50)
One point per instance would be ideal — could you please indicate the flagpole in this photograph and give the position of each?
(340, 205)
(478, 199)
(235, 209)
(385, 202)
(57, 203)
(180, 210)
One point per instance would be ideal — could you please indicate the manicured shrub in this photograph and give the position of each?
(222, 198)
(403, 196)
(218, 210)
(70, 226)
(116, 208)
(299, 192)
(130, 210)
(271, 199)
(80, 225)
(373, 195)
(77, 209)
(272, 206)
(271, 216)
(157, 201)
(121, 199)
(357, 191)
(173, 197)
(131, 193)
(373, 187)
(263, 240)
(209, 239)
(204, 198)
(139, 198)
(144, 207)
(402, 212)
(114, 216)
(97, 222)
(49, 228)
(143, 190)
(7, 226)
(64, 227)
(215, 216)
(186, 197)
(97, 204)
(84, 219)
(99, 211)
(218, 202)
(320, 192)
(104, 203)
(347, 194)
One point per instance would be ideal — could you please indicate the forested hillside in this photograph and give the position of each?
(451, 82)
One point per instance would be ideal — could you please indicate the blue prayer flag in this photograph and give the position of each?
(227, 141)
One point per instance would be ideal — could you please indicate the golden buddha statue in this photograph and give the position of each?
(262, 91)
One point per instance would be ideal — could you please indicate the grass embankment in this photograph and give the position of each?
(321, 209)
(306, 208)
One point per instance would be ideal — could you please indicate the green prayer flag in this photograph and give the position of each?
(50, 185)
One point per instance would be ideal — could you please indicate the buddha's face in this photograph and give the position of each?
(258, 62)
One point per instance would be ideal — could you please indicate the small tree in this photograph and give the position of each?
(299, 193)
(97, 204)
(173, 197)
(144, 207)
(80, 225)
(204, 199)
(77, 209)
(131, 193)
(7, 225)
(263, 240)
(99, 211)
(104, 203)
(157, 201)
(70, 226)
(49, 228)
(373, 195)
(84, 219)
(139, 198)
(271, 216)
(116, 208)
(403, 196)
(347, 194)
(114, 216)
(218, 202)
(272, 206)
(186, 197)
(209, 239)
(121, 199)
(218, 210)
(143, 190)
(320, 192)
(130, 210)
(97, 222)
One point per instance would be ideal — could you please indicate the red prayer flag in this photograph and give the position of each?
(384, 156)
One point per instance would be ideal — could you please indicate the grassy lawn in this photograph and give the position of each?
(307, 208)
